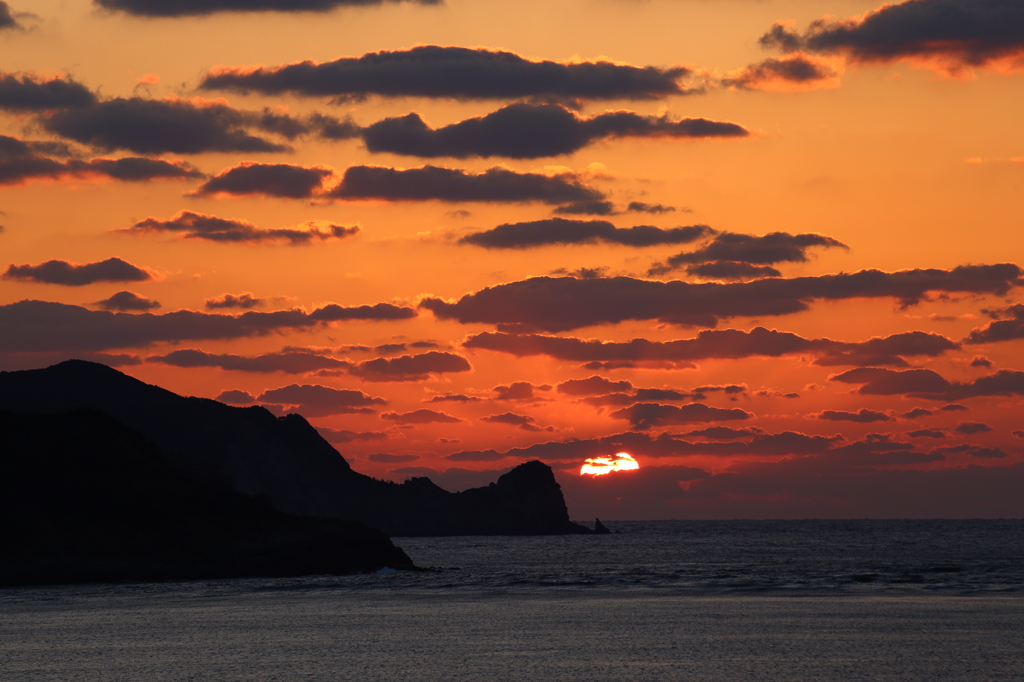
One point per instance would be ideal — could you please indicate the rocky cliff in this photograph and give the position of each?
(284, 461)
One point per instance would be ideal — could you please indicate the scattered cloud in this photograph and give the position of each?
(731, 247)
(530, 131)
(188, 8)
(410, 367)
(69, 274)
(193, 225)
(268, 179)
(316, 400)
(421, 416)
(42, 326)
(452, 72)
(126, 301)
(243, 301)
(951, 36)
(561, 231)
(862, 415)
(792, 73)
(564, 303)
(31, 93)
(647, 415)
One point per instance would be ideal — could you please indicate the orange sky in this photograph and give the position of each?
(880, 139)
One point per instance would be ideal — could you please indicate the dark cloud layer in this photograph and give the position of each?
(421, 416)
(186, 8)
(316, 400)
(647, 415)
(954, 33)
(930, 385)
(211, 228)
(794, 70)
(862, 416)
(21, 161)
(269, 179)
(243, 301)
(452, 72)
(126, 301)
(288, 362)
(530, 131)
(1001, 330)
(41, 326)
(410, 367)
(26, 92)
(718, 344)
(6, 18)
(562, 231)
(558, 304)
(777, 247)
(149, 126)
(75, 274)
(446, 184)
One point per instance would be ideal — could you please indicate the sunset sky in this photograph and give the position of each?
(769, 248)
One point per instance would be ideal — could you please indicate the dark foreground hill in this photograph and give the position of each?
(284, 461)
(86, 499)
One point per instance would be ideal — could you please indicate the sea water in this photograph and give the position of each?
(801, 600)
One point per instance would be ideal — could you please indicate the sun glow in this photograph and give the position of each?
(598, 466)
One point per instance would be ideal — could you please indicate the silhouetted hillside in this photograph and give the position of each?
(85, 498)
(285, 461)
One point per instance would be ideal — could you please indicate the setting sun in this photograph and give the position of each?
(598, 466)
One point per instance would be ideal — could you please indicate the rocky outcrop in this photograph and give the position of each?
(86, 499)
(284, 461)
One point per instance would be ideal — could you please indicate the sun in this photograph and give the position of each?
(599, 466)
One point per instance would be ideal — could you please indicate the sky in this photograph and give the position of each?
(769, 248)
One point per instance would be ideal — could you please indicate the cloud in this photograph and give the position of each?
(148, 126)
(41, 326)
(21, 161)
(793, 72)
(970, 428)
(188, 8)
(592, 207)
(595, 385)
(973, 451)
(124, 301)
(981, 361)
(75, 274)
(385, 458)
(421, 416)
(495, 185)
(949, 35)
(27, 92)
(346, 436)
(862, 415)
(211, 228)
(561, 231)
(716, 344)
(1000, 330)
(641, 207)
(521, 391)
(288, 362)
(452, 72)
(646, 415)
(727, 269)
(530, 131)
(929, 385)
(269, 179)
(243, 301)
(410, 367)
(747, 442)
(316, 400)
(453, 398)
(558, 304)
(777, 247)
(236, 397)
(6, 18)
(928, 433)
(522, 421)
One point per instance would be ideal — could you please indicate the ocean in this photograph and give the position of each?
(667, 600)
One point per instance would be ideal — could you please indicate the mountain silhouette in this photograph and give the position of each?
(284, 460)
(86, 499)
